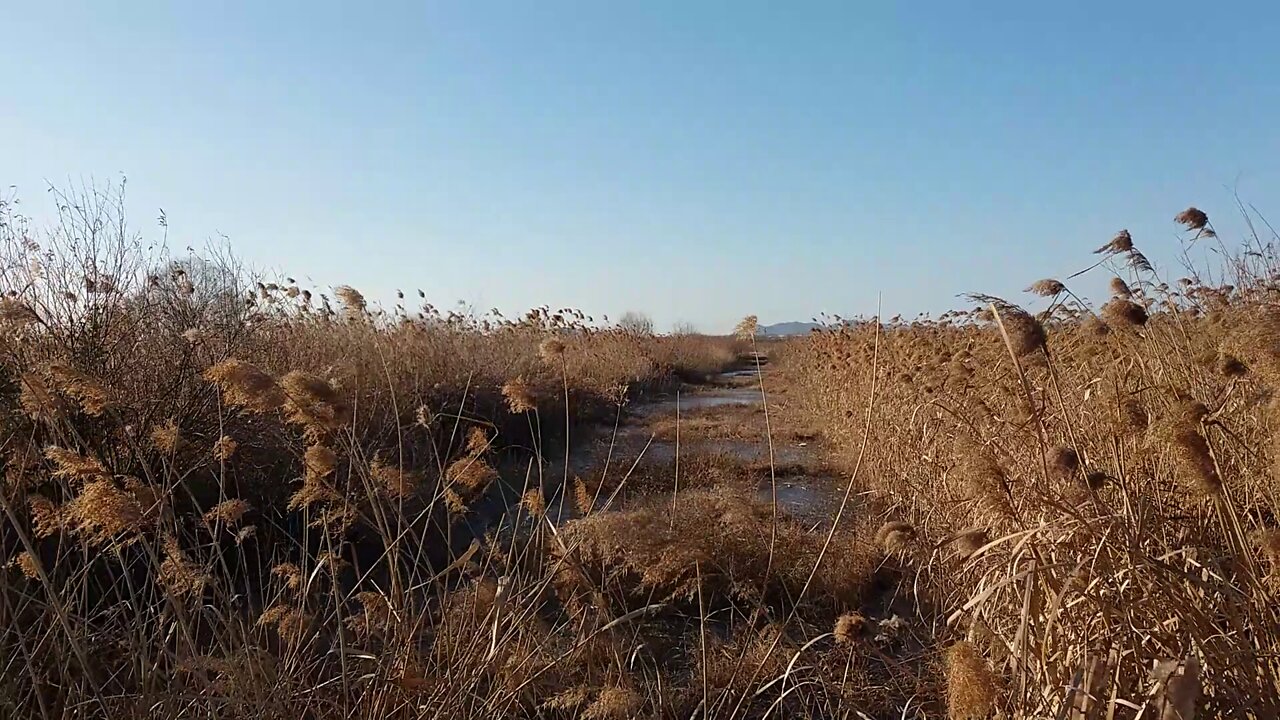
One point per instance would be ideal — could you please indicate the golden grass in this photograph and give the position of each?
(225, 498)
(1085, 500)
(209, 479)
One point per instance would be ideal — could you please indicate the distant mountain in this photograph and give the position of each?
(788, 328)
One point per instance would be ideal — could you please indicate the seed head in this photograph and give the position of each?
(1121, 243)
(1047, 287)
(1122, 312)
(1138, 261)
(1094, 325)
(617, 393)
(477, 440)
(747, 328)
(79, 386)
(377, 614)
(896, 536)
(224, 448)
(971, 542)
(291, 623)
(1231, 366)
(353, 303)
(245, 385)
(178, 574)
(394, 480)
(37, 400)
(103, 512)
(72, 465)
(519, 395)
(534, 503)
(166, 437)
(46, 518)
(1026, 334)
(26, 564)
(272, 615)
(314, 491)
(1193, 460)
(1120, 289)
(313, 402)
(568, 700)
(613, 703)
(979, 469)
(551, 349)
(848, 626)
(1193, 218)
(290, 574)
(227, 511)
(319, 461)
(309, 388)
(583, 502)
(453, 501)
(971, 687)
(1063, 462)
(470, 472)
(1132, 418)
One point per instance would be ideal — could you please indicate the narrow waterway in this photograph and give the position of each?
(724, 419)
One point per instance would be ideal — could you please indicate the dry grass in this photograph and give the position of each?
(208, 479)
(722, 422)
(1089, 492)
(230, 498)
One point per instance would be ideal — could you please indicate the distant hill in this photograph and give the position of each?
(788, 328)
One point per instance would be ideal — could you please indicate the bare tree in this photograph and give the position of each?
(636, 323)
(684, 327)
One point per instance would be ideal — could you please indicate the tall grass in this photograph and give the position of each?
(227, 496)
(1092, 491)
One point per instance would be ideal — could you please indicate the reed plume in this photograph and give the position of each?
(971, 687)
(1121, 243)
(245, 385)
(1047, 287)
(519, 395)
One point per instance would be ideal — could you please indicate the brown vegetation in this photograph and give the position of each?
(230, 498)
(1088, 493)
(208, 479)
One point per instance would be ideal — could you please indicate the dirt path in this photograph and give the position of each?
(702, 435)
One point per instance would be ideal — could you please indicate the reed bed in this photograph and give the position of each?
(229, 496)
(1091, 491)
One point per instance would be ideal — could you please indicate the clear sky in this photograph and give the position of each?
(695, 160)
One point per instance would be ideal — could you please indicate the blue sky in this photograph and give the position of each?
(698, 161)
